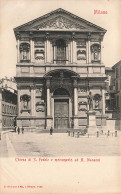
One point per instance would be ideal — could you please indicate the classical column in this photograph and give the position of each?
(74, 51)
(18, 51)
(54, 53)
(51, 52)
(75, 96)
(67, 56)
(48, 51)
(87, 59)
(18, 100)
(103, 101)
(69, 53)
(47, 48)
(45, 51)
(101, 52)
(89, 51)
(48, 94)
(89, 54)
(33, 100)
(32, 50)
(71, 48)
(101, 47)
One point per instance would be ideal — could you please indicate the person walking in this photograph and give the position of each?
(22, 130)
(51, 130)
(18, 130)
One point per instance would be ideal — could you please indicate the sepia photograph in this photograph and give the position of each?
(60, 96)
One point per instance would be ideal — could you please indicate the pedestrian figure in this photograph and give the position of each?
(51, 130)
(22, 130)
(108, 133)
(97, 133)
(116, 134)
(15, 128)
(18, 130)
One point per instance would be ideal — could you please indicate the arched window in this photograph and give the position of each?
(25, 52)
(61, 92)
(60, 51)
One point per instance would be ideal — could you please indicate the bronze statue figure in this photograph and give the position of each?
(90, 101)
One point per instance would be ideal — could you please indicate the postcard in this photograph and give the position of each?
(60, 96)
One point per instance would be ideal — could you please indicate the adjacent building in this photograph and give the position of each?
(59, 63)
(110, 92)
(117, 80)
(8, 104)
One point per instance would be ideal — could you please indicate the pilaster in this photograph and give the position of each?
(47, 49)
(89, 51)
(32, 50)
(32, 100)
(103, 101)
(18, 100)
(18, 50)
(48, 94)
(73, 48)
(101, 44)
(75, 85)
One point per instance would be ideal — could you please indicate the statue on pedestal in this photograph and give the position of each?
(90, 101)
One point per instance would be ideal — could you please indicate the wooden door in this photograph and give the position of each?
(61, 114)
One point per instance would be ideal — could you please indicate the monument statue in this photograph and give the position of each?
(90, 101)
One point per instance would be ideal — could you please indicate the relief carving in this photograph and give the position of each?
(39, 91)
(82, 106)
(40, 107)
(81, 55)
(60, 23)
(82, 90)
(39, 54)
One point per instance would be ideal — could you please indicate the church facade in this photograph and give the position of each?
(59, 63)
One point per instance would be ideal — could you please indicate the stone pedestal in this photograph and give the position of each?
(49, 122)
(92, 128)
(76, 126)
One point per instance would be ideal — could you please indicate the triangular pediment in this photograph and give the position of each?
(60, 23)
(60, 20)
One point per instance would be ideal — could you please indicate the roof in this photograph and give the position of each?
(59, 19)
(117, 64)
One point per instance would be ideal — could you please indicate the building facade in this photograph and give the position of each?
(110, 92)
(117, 81)
(8, 104)
(59, 63)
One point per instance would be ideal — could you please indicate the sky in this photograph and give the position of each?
(14, 13)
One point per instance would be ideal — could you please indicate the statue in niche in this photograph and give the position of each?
(97, 99)
(90, 101)
(96, 104)
(95, 56)
(25, 100)
(25, 104)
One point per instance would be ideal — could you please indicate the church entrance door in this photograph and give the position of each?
(61, 113)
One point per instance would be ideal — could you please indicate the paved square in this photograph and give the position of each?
(58, 144)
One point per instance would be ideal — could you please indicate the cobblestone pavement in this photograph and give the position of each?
(58, 144)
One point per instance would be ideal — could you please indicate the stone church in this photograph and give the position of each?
(59, 63)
